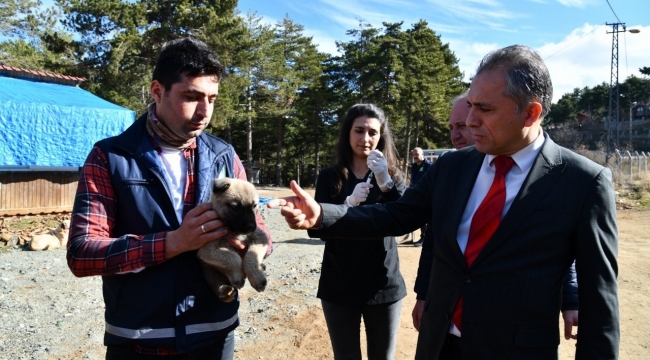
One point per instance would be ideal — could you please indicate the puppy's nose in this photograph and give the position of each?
(250, 228)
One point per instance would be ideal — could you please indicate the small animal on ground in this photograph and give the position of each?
(237, 203)
(54, 239)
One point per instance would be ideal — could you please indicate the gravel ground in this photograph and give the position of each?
(47, 313)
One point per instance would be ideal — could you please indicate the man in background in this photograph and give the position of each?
(419, 166)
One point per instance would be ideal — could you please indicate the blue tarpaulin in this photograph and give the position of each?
(52, 125)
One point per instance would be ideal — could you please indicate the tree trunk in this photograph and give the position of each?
(298, 172)
(407, 146)
(316, 160)
(228, 131)
(278, 161)
(249, 136)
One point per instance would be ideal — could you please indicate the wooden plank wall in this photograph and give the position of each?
(31, 193)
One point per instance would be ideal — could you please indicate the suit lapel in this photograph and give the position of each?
(545, 171)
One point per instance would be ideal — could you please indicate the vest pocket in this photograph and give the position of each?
(136, 181)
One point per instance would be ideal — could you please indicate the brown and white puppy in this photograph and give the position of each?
(54, 239)
(236, 202)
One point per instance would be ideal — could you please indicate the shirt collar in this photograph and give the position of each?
(525, 157)
(158, 147)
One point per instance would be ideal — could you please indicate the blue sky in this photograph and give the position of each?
(571, 35)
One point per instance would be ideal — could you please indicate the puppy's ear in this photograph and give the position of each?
(220, 186)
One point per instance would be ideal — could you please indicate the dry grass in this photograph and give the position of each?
(634, 192)
(631, 180)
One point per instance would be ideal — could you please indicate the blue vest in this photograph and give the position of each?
(167, 305)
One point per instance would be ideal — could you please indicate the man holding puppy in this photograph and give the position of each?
(141, 212)
(508, 216)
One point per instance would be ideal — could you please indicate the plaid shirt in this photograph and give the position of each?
(93, 229)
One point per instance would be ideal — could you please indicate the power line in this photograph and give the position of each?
(576, 40)
(610, 6)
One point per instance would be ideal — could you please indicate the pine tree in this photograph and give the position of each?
(120, 40)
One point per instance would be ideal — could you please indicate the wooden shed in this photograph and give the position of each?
(48, 125)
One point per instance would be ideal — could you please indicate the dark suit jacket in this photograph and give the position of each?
(421, 287)
(565, 210)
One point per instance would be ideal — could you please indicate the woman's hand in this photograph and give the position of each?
(359, 195)
(379, 166)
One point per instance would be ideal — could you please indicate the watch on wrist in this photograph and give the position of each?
(388, 186)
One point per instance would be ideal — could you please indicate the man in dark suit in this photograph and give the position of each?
(555, 206)
(461, 137)
(419, 166)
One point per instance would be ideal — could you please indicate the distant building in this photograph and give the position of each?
(433, 154)
(583, 118)
(641, 112)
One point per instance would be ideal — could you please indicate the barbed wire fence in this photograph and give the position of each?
(631, 166)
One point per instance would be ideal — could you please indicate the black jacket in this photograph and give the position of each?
(569, 286)
(359, 271)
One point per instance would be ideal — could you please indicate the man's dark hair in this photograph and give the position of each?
(527, 78)
(186, 56)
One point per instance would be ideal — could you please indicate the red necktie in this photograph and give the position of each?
(485, 221)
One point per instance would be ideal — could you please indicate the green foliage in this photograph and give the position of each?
(595, 101)
(18, 17)
(409, 73)
(35, 41)
(120, 40)
(635, 89)
(280, 100)
(645, 70)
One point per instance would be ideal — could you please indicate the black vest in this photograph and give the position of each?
(169, 304)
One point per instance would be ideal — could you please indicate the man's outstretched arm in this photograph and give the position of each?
(300, 211)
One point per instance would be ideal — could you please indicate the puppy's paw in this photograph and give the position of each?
(257, 281)
(238, 282)
(227, 293)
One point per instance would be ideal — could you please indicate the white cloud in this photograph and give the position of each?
(348, 13)
(486, 12)
(583, 58)
(324, 42)
(469, 54)
(395, 3)
(576, 3)
(485, 2)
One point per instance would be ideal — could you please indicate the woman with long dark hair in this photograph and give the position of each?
(360, 278)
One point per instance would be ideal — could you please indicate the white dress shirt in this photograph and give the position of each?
(524, 159)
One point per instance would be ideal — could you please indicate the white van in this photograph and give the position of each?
(433, 154)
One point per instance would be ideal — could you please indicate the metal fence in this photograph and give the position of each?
(630, 164)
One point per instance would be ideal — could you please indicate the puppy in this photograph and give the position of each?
(54, 239)
(236, 202)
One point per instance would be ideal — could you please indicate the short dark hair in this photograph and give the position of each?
(186, 56)
(527, 78)
(386, 144)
